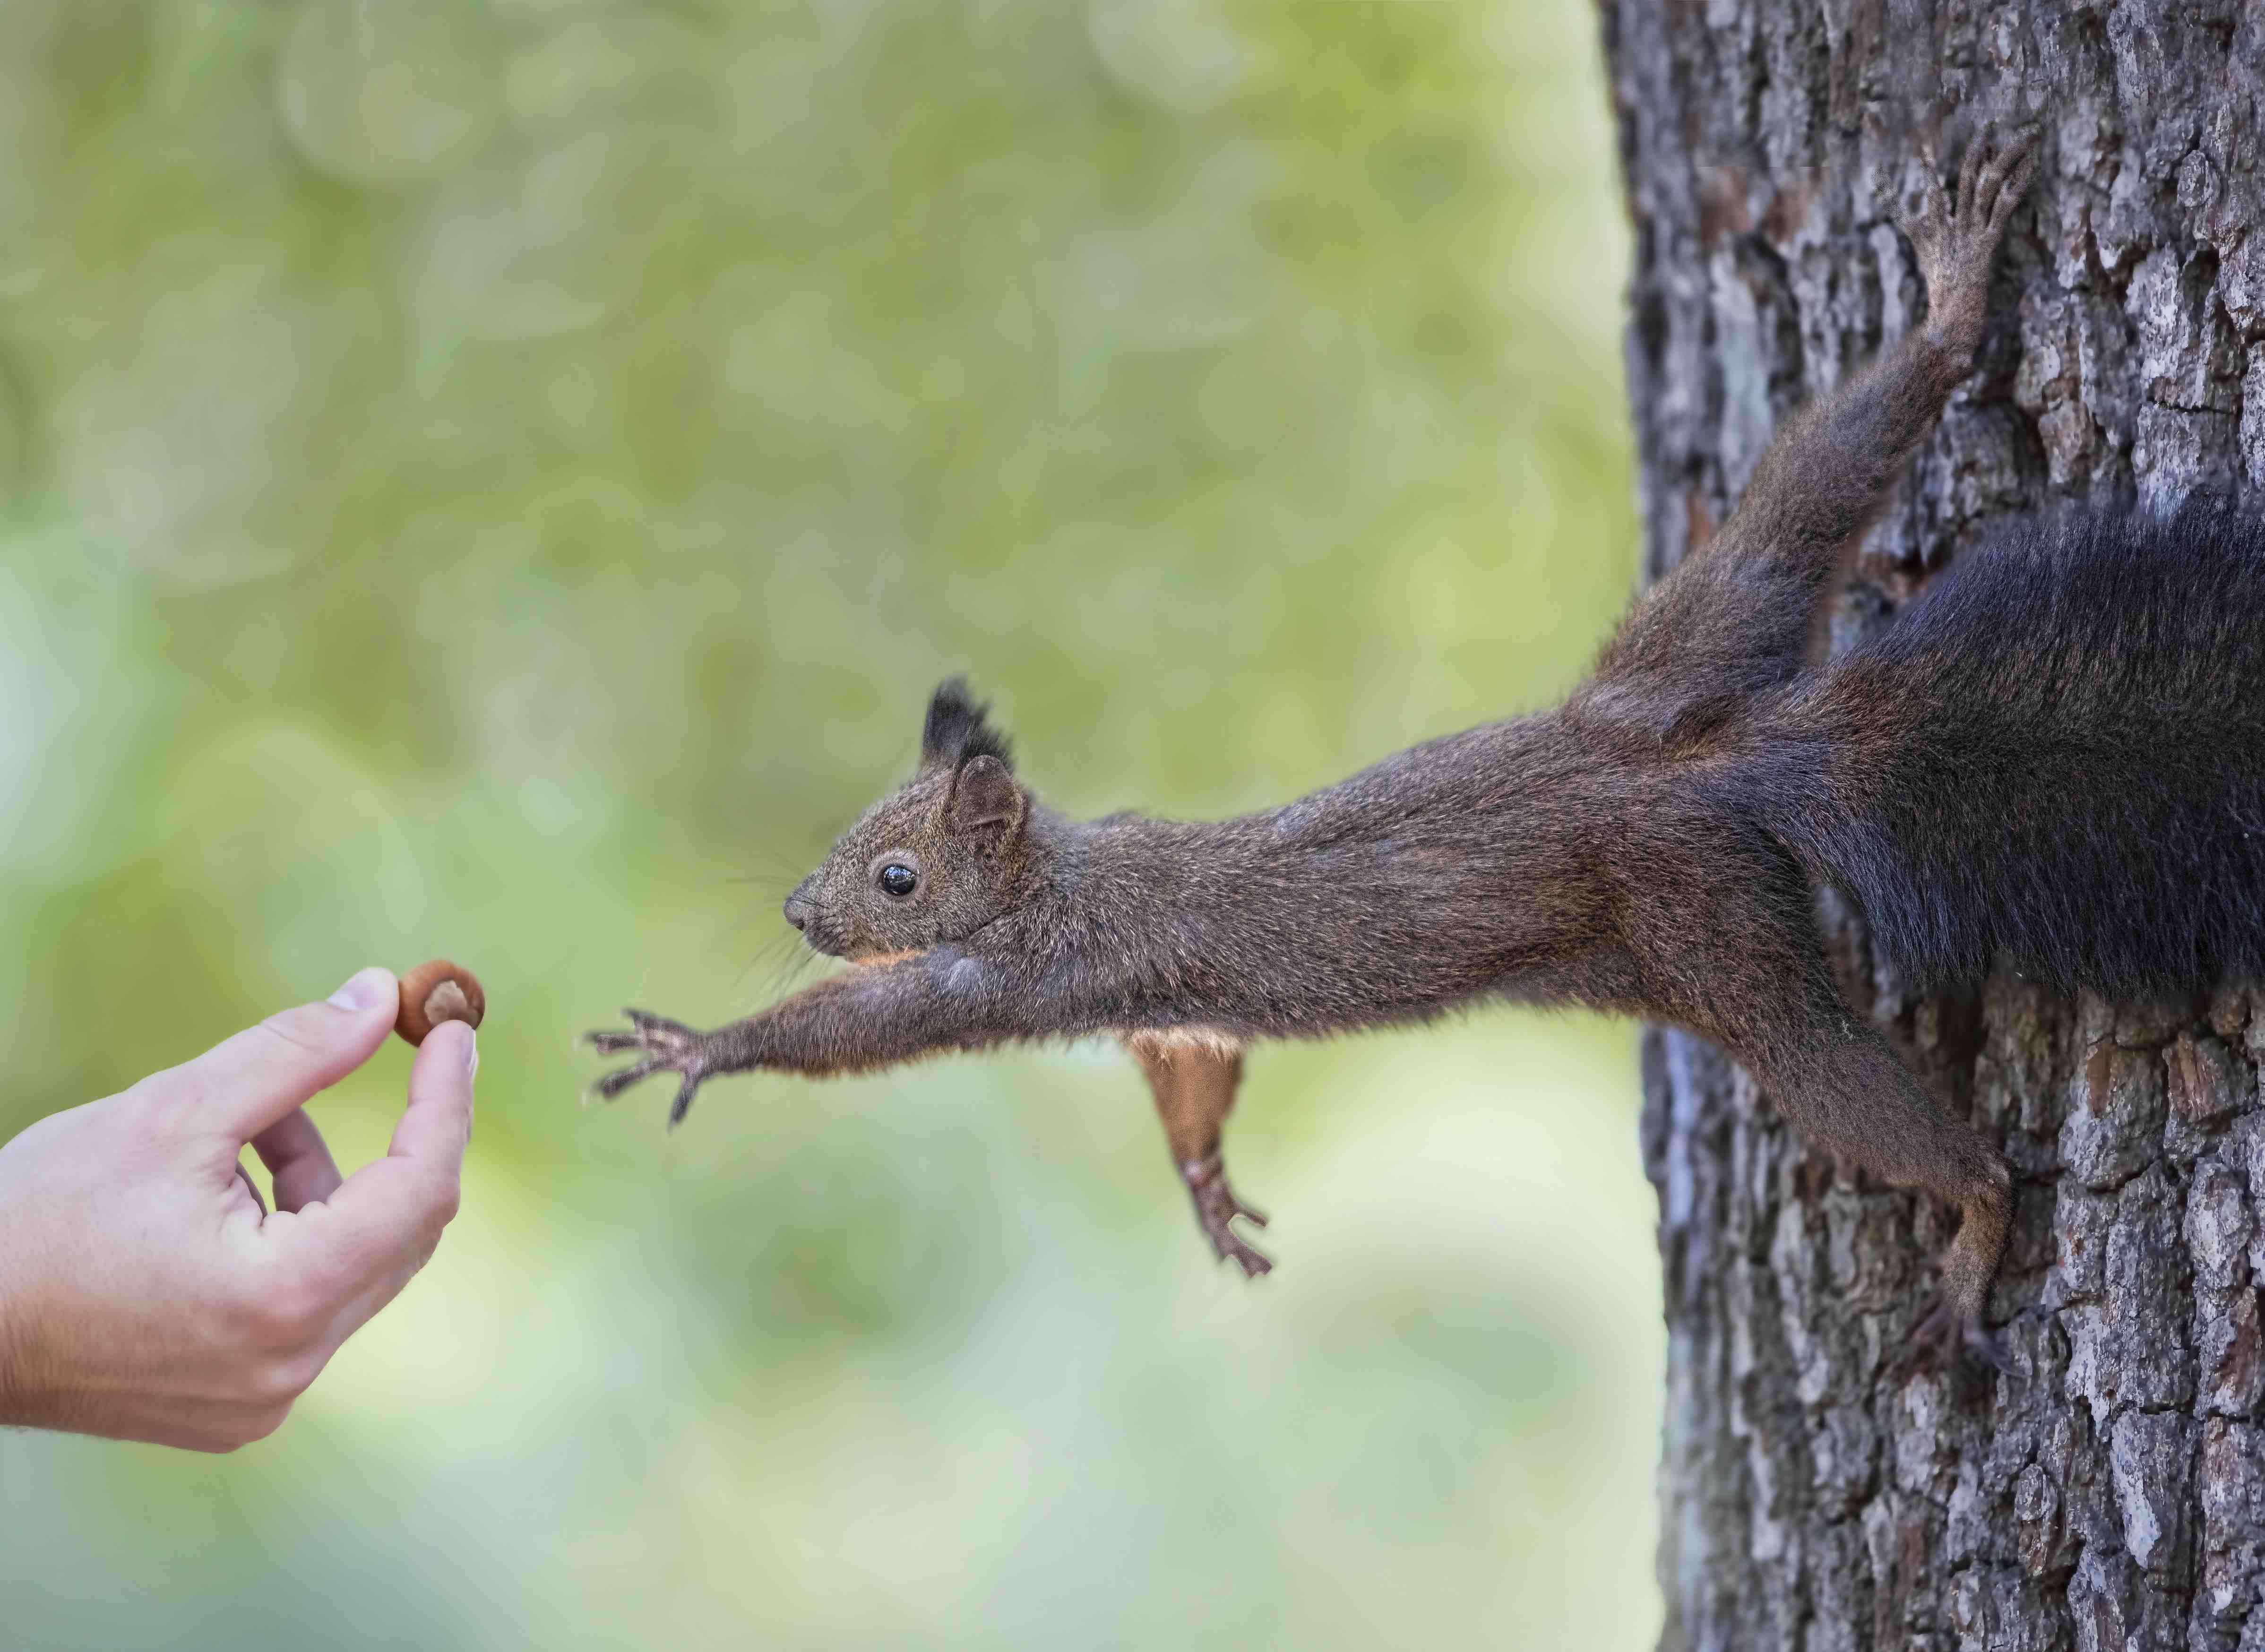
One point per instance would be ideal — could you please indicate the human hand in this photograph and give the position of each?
(144, 1292)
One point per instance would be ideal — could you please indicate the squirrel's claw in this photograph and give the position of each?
(612, 1084)
(1971, 170)
(646, 1032)
(1955, 227)
(666, 1045)
(1954, 231)
(682, 1104)
(1956, 1344)
(1231, 1247)
(1216, 1209)
(2015, 185)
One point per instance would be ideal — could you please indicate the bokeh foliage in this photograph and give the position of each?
(500, 480)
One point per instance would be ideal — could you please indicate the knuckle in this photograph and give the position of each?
(235, 1427)
(284, 1313)
(296, 1027)
(438, 1203)
(416, 1248)
(277, 1382)
(264, 1420)
(274, 1325)
(155, 1103)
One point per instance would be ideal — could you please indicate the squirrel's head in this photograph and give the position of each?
(933, 860)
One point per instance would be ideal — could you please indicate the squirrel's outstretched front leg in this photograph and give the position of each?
(1741, 613)
(1194, 1080)
(868, 1017)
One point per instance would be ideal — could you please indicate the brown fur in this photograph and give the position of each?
(1650, 848)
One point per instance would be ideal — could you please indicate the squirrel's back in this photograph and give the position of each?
(2055, 756)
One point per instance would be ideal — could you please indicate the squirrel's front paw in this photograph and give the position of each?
(1216, 1209)
(663, 1045)
(1956, 238)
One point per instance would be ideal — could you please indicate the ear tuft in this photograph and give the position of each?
(958, 729)
(985, 796)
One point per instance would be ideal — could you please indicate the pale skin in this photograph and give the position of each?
(146, 1291)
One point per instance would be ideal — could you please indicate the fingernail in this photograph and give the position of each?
(472, 1053)
(364, 989)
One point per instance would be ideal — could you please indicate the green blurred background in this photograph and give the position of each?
(500, 479)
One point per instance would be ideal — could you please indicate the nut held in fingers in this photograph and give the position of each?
(437, 992)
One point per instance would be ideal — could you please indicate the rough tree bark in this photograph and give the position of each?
(2111, 1493)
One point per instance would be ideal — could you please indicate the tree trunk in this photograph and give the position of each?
(2111, 1492)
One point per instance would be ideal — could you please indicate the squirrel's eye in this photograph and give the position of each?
(898, 879)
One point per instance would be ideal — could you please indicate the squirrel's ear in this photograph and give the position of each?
(986, 797)
(957, 730)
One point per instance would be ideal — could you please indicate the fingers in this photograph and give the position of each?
(251, 1187)
(1970, 169)
(649, 1031)
(613, 1084)
(1993, 176)
(665, 1043)
(1989, 183)
(245, 1084)
(682, 1104)
(2016, 185)
(298, 1162)
(387, 1216)
(331, 1263)
(438, 1121)
(1932, 205)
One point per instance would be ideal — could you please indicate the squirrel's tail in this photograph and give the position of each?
(2054, 758)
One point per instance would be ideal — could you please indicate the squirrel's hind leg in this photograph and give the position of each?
(1193, 1074)
(1849, 1094)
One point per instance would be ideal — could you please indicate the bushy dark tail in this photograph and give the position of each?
(2055, 759)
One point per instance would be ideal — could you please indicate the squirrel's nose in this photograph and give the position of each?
(798, 910)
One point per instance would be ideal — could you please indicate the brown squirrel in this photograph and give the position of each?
(2053, 759)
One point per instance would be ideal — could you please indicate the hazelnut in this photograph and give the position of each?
(437, 992)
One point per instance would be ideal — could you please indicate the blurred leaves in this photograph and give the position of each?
(500, 480)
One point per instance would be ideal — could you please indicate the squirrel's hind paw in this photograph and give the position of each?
(1958, 1345)
(1216, 1209)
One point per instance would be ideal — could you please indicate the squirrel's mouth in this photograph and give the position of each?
(856, 957)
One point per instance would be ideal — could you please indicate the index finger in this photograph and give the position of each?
(245, 1084)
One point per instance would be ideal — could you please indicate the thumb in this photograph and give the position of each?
(244, 1084)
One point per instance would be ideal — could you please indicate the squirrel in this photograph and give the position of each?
(2053, 759)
